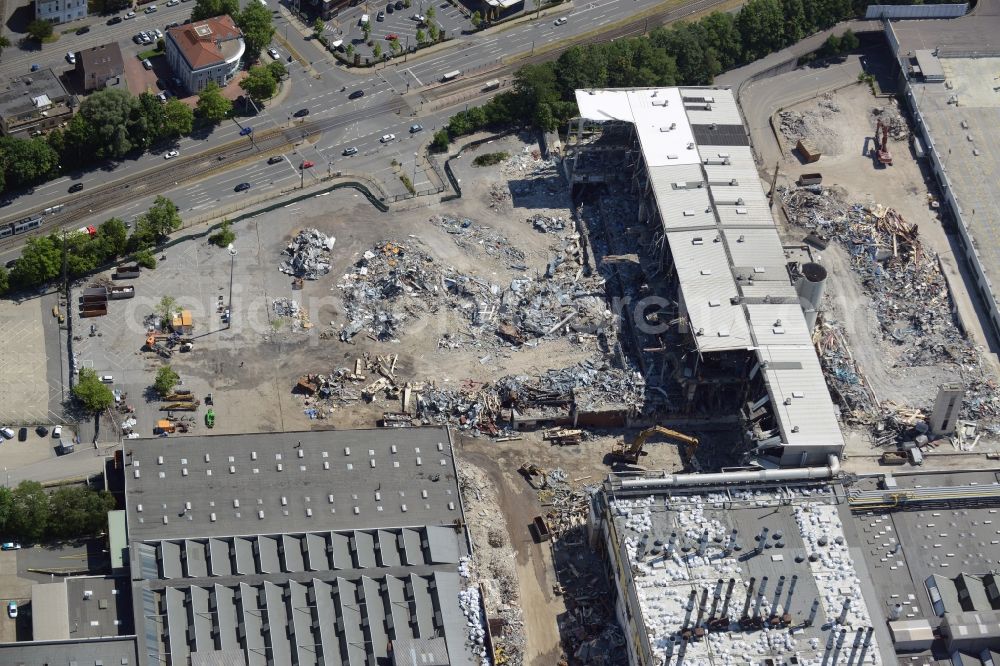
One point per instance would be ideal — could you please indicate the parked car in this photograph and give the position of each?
(129, 15)
(42, 431)
(162, 96)
(84, 30)
(391, 37)
(242, 187)
(386, 138)
(398, 4)
(170, 154)
(147, 64)
(114, 20)
(419, 18)
(71, 58)
(76, 187)
(57, 432)
(158, 33)
(10, 545)
(7, 433)
(12, 609)
(107, 379)
(357, 94)
(150, 9)
(173, 24)
(22, 435)
(301, 113)
(172, 3)
(380, 16)
(350, 151)
(275, 160)
(388, 8)
(560, 21)
(273, 52)
(416, 128)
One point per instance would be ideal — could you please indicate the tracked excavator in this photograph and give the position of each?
(630, 452)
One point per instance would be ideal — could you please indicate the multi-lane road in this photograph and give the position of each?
(393, 101)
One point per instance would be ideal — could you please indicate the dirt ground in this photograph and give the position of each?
(842, 125)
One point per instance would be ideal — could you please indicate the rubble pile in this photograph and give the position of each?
(288, 307)
(909, 298)
(525, 163)
(309, 254)
(546, 224)
(495, 561)
(499, 197)
(473, 237)
(812, 126)
(393, 283)
(890, 115)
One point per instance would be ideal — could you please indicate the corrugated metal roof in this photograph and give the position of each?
(723, 111)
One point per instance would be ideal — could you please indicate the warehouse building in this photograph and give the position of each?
(738, 341)
(299, 548)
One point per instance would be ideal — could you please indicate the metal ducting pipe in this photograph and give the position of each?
(721, 478)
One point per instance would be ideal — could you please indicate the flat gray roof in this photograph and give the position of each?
(273, 483)
(110, 652)
(18, 95)
(98, 606)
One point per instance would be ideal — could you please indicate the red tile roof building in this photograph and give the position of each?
(205, 51)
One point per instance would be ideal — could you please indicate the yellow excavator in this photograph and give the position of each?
(630, 452)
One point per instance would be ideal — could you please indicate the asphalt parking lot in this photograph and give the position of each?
(347, 25)
(32, 388)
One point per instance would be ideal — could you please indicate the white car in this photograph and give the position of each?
(170, 154)
(419, 18)
(71, 58)
(129, 15)
(172, 3)
(273, 52)
(386, 138)
(159, 34)
(560, 21)
(12, 609)
(150, 9)
(57, 432)
(108, 379)
(7, 433)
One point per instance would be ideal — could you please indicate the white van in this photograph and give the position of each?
(363, 20)
(108, 379)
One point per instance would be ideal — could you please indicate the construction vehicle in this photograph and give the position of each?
(186, 406)
(529, 471)
(881, 150)
(562, 436)
(210, 418)
(630, 452)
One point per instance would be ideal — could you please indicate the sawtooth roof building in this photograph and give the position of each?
(741, 339)
(299, 548)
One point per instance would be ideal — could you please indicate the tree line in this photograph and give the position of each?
(41, 260)
(685, 54)
(31, 513)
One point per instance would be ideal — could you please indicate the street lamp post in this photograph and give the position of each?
(232, 262)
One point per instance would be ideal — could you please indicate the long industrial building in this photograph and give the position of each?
(299, 548)
(745, 304)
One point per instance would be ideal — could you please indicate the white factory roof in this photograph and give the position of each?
(731, 266)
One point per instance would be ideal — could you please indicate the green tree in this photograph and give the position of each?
(430, 13)
(259, 84)
(112, 236)
(723, 38)
(761, 24)
(4, 288)
(146, 120)
(166, 308)
(40, 262)
(796, 26)
(395, 45)
(696, 65)
(78, 141)
(166, 380)
(349, 51)
(7, 510)
(476, 19)
(277, 69)
(145, 258)
(212, 106)
(108, 114)
(377, 51)
(255, 22)
(831, 46)
(27, 161)
(163, 216)
(366, 28)
(224, 236)
(178, 119)
(849, 41)
(318, 27)
(440, 142)
(434, 31)
(30, 510)
(204, 9)
(77, 511)
(421, 36)
(94, 395)
(4, 43)
(39, 30)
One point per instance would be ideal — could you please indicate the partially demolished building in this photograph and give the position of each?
(740, 338)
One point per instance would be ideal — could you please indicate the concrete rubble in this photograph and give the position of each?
(495, 563)
(909, 298)
(309, 255)
(288, 307)
(394, 283)
(812, 126)
(546, 224)
(473, 237)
